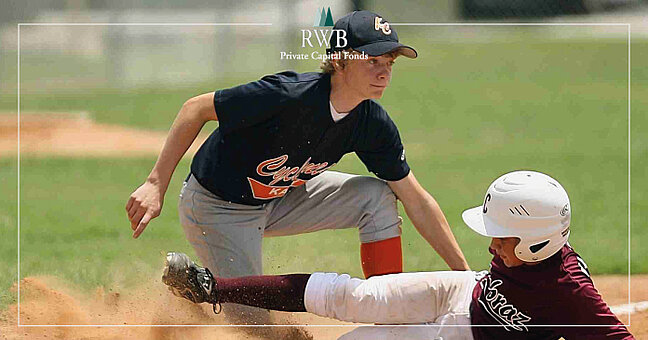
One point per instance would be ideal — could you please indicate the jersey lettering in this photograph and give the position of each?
(276, 169)
(496, 305)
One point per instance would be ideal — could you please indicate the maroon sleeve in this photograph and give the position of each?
(277, 292)
(583, 305)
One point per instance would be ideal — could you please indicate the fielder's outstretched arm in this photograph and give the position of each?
(145, 203)
(429, 220)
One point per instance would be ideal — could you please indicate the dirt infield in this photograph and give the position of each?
(65, 134)
(42, 304)
(47, 301)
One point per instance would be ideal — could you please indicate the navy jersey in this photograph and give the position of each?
(276, 133)
(557, 291)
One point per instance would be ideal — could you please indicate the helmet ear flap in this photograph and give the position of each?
(533, 251)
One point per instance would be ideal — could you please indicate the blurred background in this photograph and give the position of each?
(69, 57)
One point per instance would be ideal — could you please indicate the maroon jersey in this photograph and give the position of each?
(512, 303)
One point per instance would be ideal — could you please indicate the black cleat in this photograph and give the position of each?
(188, 280)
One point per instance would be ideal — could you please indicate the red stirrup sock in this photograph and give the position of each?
(382, 257)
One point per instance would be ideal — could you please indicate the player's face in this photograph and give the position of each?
(369, 77)
(505, 248)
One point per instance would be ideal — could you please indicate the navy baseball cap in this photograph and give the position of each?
(368, 32)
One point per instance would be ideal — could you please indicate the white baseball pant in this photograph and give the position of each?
(433, 305)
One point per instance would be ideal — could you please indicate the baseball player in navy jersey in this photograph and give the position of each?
(537, 287)
(265, 170)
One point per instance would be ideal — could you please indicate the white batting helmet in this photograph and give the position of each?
(528, 205)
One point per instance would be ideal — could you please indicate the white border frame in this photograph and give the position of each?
(628, 25)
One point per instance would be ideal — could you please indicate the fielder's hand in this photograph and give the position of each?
(144, 204)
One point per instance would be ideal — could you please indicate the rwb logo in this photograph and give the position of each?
(323, 19)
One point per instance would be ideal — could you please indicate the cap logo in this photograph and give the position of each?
(486, 200)
(384, 27)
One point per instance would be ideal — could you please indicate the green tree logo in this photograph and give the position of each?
(323, 18)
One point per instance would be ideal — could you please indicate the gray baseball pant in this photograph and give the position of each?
(227, 237)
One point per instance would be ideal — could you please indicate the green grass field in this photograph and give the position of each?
(467, 113)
